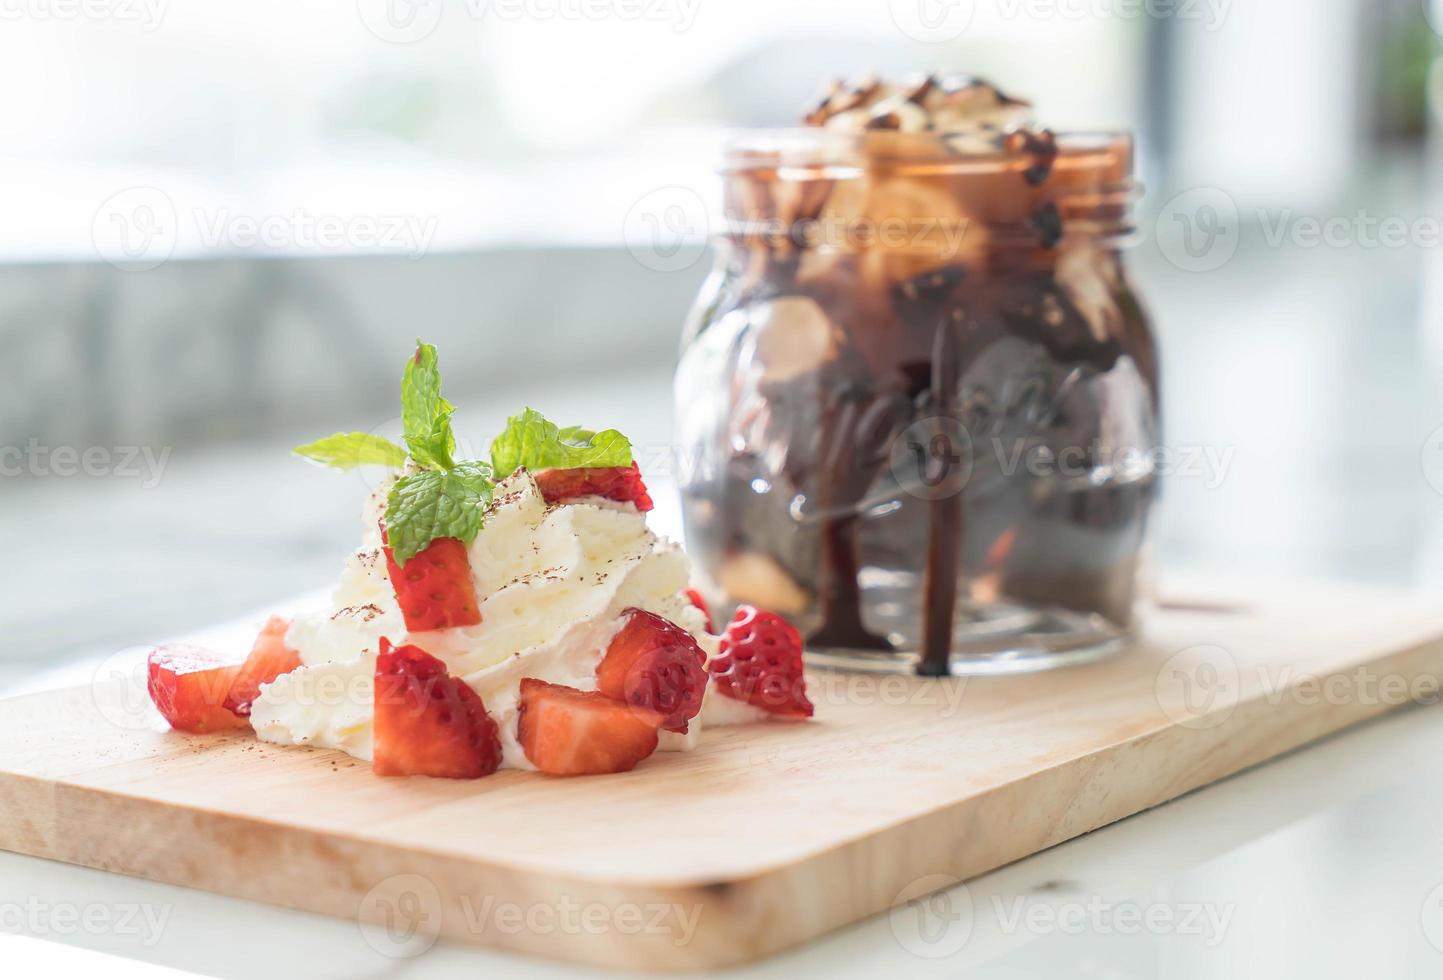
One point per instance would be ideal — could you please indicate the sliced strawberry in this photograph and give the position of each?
(427, 722)
(269, 659)
(434, 589)
(620, 483)
(761, 663)
(566, 732)
(700, 603)
(654, 663)
(190, 685)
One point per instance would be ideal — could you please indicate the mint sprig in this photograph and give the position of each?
(431, 504)
(347, 450)
(445, 499)
(425, 415)
(439, 497)
(531, 441)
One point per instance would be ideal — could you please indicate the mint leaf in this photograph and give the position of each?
(435, 504)
(347, 450)
(531, 441)
(425, 415)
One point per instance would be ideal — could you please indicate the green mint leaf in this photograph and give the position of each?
(435, 504)
(531, 441)
(347, 450)
(425, 415)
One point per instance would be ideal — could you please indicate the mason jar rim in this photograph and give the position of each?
(1076, 183)
(963, 148)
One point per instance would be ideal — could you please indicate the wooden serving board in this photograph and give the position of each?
(766, 836)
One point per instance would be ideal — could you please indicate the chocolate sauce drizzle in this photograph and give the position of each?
(944, 545)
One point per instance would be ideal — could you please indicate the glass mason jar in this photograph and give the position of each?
(917, 400)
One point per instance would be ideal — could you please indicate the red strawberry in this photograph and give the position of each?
(621, 483)
(761, 663)
(435, 589)
(566, 732)
(429, 723)
(269, 659)
(189, 685)
(700, 603)
(654, 663)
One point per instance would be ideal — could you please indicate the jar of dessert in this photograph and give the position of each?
(917, 400)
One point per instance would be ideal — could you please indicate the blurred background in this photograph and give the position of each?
(222, 225)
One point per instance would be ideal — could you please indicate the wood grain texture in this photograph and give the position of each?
(763, 838)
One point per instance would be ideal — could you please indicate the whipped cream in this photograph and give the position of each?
(328, 705)
(552, 581)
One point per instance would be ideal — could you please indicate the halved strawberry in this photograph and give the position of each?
(428, 723)
(620, 483)
(700, 603)
(654, 663)
(566, 732)
(434, 589)
(761, 663)
(190, 685)
(269, 659)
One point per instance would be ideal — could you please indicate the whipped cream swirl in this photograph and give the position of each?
(552, 582)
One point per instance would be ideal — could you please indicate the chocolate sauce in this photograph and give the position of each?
(944, 540)
(1041, 146)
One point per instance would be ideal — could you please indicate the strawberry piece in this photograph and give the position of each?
(700, 603)
(269, 659)
(427, 722)
(761, 663)
(566, 732)
(190, 685)
(620, 483)
(434, 589)
(654, 663)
